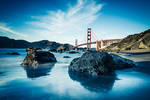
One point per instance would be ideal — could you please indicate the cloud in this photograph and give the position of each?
(66, 23)
(8, 30)
(5, 29)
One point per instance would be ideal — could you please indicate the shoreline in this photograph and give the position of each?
(131, 51)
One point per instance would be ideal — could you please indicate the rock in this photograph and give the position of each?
(52, 50)
(72, 52)
(68, 47)
(36, 56)
(94, 63)
(81, 49)
(13, 53)
(121, 63)
(60, 49)
(64, 47)
(99, 63)
(66, 57)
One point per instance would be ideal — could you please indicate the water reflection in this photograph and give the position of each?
(143, 66)
(42, 70)
(94, 84)
(1, 72)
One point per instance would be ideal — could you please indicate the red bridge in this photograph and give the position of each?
(99, 44)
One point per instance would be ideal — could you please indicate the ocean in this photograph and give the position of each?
(54, 82)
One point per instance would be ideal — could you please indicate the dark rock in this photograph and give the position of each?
(81, 49)
(64, 47)
(94, 63)
(94, 84)
(99, 63)
(13, 53)
(121, 63)
(73, 52)
(68, 47)
(36, 56)
(66, 57)
(52, 50)
(61, 49)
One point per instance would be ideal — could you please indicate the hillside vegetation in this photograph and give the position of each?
(136, 42)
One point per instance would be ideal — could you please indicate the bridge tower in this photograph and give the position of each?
(88, 38)
(76, 44)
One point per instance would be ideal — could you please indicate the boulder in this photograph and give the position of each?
(61, 49)
(121, 63)
(94, 63)
(64, 47)
(99, 63)
(36, 56)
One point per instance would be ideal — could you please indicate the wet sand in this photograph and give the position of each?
(142, 61)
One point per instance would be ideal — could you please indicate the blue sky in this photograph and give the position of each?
(66, 20)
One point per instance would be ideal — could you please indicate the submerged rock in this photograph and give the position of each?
(73, 52)
(36, 56)
(13, 53)
(99, 63)
(94, 63)
(66, 57)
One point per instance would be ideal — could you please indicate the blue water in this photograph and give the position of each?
(53, 82)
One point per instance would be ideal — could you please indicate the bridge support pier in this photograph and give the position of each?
(102, 43)
(98, 45)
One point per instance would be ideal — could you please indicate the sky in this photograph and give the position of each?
(66, 20)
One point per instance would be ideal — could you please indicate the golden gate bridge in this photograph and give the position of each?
(99, 43)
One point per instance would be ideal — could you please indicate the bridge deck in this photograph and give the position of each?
(108, 40)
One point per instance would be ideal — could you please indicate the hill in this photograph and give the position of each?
(136, 42)
(6, 42)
